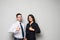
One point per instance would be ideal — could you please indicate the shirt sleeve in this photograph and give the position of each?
(13, 29)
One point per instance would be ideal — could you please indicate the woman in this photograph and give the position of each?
(32, 28)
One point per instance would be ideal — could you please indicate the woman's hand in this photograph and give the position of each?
(31, 29)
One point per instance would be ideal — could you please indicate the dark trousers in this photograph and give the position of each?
(31, 39)
(17, 39)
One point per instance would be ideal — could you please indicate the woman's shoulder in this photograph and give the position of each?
(33, 23)
(36, 23)
(27, 23)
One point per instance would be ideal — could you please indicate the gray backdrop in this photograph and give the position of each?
(46, 12)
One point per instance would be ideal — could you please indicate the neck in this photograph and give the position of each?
(18, 21)
(31, 22)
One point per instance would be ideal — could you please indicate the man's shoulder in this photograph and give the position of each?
(15, 23)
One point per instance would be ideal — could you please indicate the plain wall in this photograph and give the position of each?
(46, 12)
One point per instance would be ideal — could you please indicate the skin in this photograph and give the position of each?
(19, 18)
(31, 21)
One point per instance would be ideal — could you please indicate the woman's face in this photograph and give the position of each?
(30, 18)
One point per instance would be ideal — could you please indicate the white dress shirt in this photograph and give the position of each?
(17, 34)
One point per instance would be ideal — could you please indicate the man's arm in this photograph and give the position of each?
(13, 29)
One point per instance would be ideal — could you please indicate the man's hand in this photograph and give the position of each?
(17, 28)
(30, 28)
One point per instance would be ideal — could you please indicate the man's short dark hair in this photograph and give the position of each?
(18, 14)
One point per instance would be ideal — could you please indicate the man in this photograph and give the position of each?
(18, 29)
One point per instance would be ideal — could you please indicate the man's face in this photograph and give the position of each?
(19, 18)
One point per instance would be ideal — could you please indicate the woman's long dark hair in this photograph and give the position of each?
(31, 17)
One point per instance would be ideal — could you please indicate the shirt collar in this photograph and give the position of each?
(18, 22)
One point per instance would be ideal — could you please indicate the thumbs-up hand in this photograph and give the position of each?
(17, 28)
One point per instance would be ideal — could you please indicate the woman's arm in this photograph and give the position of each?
(37, 29)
